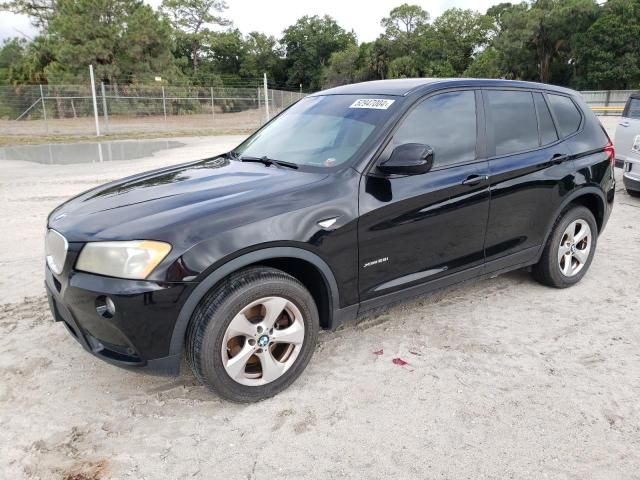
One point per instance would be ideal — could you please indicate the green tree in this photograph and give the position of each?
(191, 19)
(515, 56)
(608, 53)
(404, 21)
(538, 41)
(376, 58)
(404, 27)
(403, 67)
(39, 11)
(262, 54)
(484, 65)
(457, 34)
(223, 51)
(309, 44)
(121, 38)
(30, 67)
(395, 53)
(12, 52)
(496, 13)
(343, 68)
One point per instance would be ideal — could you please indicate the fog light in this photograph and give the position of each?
(105, 306)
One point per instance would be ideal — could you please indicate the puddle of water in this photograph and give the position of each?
(95, 152)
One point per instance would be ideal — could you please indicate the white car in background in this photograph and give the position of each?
(627, 144)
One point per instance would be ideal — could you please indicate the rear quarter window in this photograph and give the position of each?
(567, 115)
(632, 109)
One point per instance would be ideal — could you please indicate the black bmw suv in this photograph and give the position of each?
(351, 199)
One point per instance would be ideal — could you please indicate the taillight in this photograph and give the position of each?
(610, 151)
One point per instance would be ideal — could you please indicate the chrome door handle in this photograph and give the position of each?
(475, 179)
(624, 124)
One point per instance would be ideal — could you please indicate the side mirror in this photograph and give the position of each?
(408, 159)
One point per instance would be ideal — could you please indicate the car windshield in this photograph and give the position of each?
(323, 131)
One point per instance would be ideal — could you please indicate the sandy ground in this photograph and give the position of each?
(505, 378)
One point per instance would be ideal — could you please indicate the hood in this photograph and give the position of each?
(146, 206)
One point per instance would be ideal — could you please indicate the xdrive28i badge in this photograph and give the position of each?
(375, 262)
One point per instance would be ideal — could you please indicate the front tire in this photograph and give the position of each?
(633, 193)
(253, 334)
(569, 250)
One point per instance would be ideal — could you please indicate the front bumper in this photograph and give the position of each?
(137, 335)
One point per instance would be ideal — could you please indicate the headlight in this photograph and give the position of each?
(134, 260)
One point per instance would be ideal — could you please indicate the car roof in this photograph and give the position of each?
(405, 86)
(635, 95)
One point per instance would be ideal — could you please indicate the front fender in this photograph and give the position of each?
(177, 338)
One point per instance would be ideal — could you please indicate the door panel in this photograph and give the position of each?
(413, 229)
(526, 186)
(418, 228)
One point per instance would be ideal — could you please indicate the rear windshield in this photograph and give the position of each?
(323, 131)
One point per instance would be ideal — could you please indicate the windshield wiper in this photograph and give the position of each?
(267, 161)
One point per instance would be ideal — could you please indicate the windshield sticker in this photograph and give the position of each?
(375, 103)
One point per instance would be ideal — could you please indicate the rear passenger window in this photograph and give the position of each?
(633, 108)
(447, 123)
(566, 113)
(514, 121)
(545, 123)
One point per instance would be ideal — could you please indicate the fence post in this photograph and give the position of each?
(266, 97)
(44, 110)
(259, 108)
(164, 107)
(104, 108)
(95, 102)
(100, 157)
(213, 114)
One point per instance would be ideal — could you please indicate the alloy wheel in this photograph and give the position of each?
(574, 248)
(263, 341)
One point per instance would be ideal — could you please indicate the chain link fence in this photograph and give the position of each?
(35, 110)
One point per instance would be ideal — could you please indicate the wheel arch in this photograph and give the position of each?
(595, 204)
(589, 197)
(302, 264)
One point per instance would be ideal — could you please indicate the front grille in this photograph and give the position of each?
(56, 251)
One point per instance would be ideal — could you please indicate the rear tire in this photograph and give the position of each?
(253, 334)
(569, 250)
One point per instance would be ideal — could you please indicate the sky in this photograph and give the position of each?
(272, 17)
